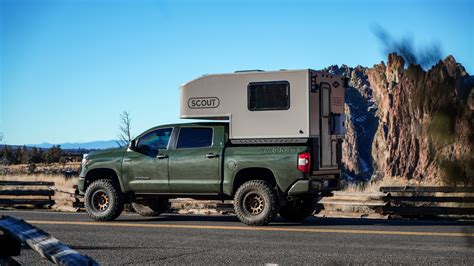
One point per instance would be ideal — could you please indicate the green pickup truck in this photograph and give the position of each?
(197, 160)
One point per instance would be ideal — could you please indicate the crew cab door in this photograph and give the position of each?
(195, 160)
(145, 168)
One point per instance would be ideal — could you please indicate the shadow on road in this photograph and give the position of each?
(183, 218)
(312, 221)
(469, 240)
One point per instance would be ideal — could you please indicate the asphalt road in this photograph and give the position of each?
(179, 239)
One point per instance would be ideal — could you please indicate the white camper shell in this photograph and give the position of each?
(287, 106)
(274, 107)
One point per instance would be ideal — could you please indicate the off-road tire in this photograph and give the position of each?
(152, 208)
(297, 210)
(264, 193)
(115, 200)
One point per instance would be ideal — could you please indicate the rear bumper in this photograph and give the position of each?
(312, 186)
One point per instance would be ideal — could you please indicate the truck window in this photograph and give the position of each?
(150, 143)
(194, 137)
(274, 95)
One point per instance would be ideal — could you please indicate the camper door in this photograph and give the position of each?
(331, 110)
(326, 147)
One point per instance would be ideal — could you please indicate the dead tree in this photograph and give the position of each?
(125, 134)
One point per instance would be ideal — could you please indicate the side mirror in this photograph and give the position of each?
(131, 145)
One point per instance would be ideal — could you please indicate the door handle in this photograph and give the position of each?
(162, 156)
(127, 160)
(212, 155)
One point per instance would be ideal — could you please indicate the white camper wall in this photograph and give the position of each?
(225, 96)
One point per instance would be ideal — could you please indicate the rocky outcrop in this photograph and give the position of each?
(407, 122)
(361, 123)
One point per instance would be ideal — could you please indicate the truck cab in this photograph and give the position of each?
(176, 159)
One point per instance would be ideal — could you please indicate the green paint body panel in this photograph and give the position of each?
(190, 171)
(107, 159)
(280, 160)
(136, 168)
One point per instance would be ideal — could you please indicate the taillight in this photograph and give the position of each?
(304, 162)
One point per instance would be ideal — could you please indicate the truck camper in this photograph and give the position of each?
(273, 107)
(277, 152)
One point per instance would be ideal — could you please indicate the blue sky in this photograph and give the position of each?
(69, 67)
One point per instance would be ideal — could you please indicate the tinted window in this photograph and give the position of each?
(150, 143)
(269, 96)
(194, 137)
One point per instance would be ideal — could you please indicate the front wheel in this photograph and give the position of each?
(256, 203)
(103, 200)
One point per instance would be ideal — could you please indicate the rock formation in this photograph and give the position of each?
(409, 123)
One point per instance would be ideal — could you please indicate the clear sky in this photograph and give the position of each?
(69, 67)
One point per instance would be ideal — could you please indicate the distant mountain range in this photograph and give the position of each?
(99, 144)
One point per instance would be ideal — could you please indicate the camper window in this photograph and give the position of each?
(274, 95)
(194, 137)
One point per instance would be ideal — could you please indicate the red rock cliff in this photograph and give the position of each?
(409, 123)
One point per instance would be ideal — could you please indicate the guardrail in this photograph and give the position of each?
(410, 202)
(429, 201)
(428, 189)
(38, 197)
(43, 194)
(17, 232)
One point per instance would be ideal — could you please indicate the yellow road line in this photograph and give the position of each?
(248, 228)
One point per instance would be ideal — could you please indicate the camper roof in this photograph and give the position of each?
(248, 72)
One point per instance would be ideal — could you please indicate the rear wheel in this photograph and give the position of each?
(151, 208)
(256, 203)
(297, 210)
(103, 200)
